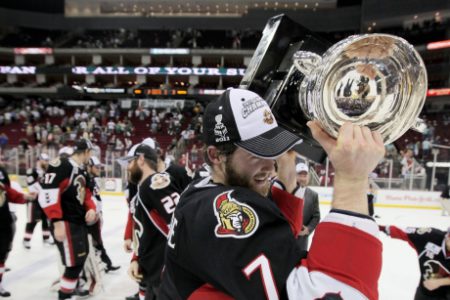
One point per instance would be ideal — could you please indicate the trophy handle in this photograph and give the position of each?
(306, 61)
(419, 125)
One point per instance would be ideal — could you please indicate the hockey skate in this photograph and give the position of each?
(4, 293)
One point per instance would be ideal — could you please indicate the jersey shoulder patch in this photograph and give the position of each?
(420, 230)
(55, 162)
(234, 219)
(160, 181)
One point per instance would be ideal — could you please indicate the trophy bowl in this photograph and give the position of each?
(373, 80)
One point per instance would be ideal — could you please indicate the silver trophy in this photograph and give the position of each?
(374, 80)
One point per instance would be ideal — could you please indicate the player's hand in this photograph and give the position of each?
(304, 232)
(133, 271)
(31, 196)
(128, 245)
(355, 153)
(91, 216)
(59, 231)
(432, 284)
(286, 170)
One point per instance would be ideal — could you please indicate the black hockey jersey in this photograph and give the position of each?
(182, 176)
(232, 243)
(64, 194)
(152, 209)
(434, 260)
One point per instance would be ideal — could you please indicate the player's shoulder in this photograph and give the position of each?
(424, 231)
(205, 193)
(59, 163)
(225, 211)
(179, 171)
(160, 180)
(156, 182)
(62, 167)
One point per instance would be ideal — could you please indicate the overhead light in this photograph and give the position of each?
(415, 17)
(374, 24)
(306, 5)
(317, 4)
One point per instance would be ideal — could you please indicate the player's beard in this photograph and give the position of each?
(233, 178)
(135, 174)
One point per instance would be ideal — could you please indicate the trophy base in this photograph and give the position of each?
(272, 75)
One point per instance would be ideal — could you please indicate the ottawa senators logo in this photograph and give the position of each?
(268, 117)
(236, 220)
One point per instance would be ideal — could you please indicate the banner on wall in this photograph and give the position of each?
(392, 198)
(111, 70)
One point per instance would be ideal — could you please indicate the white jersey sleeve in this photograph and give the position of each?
(344, 261)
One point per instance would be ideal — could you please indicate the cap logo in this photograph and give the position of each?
(220, 130)
(251, 105)
(268, 118)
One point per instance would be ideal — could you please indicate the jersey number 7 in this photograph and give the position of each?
(263, 264)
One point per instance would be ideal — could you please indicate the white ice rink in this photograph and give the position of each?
(32, 271)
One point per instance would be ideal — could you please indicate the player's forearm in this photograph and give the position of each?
(89, 203)
(443, 281)
(350, 194)
(330, 271)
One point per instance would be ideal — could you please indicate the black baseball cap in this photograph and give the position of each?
(244, 118)
(136, 151)
(82, 145)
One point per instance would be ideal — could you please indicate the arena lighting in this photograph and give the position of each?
(438, 164)
(33, 50)
(438, 45)
(438, 92)
(169, 51)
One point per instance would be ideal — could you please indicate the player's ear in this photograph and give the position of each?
(214, 155)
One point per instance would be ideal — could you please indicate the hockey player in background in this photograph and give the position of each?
(8, 195)
(151, 208)
(34, 210)
(94, 169)
(433, 248)
(232, 235)
(181, 176)
(67, 202)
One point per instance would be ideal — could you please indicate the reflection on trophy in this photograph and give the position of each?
(373, 80)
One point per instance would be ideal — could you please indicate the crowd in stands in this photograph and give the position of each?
(48, 124)
(416, 33)
(122, 38)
